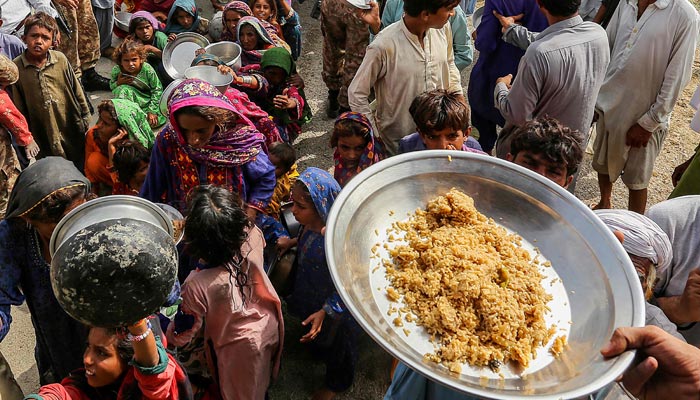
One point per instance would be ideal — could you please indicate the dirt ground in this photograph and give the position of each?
(301, 375)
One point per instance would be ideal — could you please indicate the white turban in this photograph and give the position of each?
(643, 237)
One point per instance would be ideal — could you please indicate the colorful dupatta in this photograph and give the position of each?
(149, 17)
(240, 7)
(266, 33)
(373, 153)
(233, 144)
(188, 6)
(323, 189)
(135, 121)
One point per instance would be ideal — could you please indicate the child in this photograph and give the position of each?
(291, 29)
(13, 125)
(274, 94)
(184, 17)
(548, 148)
(231, 16)
(255, 37)
(117, 117)
(49, 95)
(332, 330)
(266, 10)
(119, 366)
(442, 121)
(284, 158)
(129, 160)
(135, 80)
(356, 147)
(231, 292)
(145, 29)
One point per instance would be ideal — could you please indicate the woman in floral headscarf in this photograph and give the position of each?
(314, 299)
(356, 147)
(116, 117)
(232, 15)
(208, 141)
(254, 37)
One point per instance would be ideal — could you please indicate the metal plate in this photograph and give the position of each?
(178, 54)
(138, 84)
(209, 74)
(122, 20)
(228, 52)
(174, 215)
(583, 252)
(108, 208)
(163, 104)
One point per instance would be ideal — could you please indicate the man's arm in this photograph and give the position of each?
(43, 5)
(677, 75)
(372, 69)
(517, 103)
(519, 36)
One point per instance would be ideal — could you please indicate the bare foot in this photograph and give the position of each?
(601, 206)
(323, 394)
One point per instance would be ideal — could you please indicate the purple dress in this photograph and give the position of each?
(496, 59)
(233, 157)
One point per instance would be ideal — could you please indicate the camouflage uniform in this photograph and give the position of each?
(9, 169)
(83, 47)
(345, 40)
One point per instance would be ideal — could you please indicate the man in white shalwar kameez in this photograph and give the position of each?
(652, 49)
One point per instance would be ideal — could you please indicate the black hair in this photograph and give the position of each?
(301, 192)
(347, 128)
(547, 136)
(561, 8)
(108, 106)
(439, 109)
(415, 7)
(285, 153)
(127, 159)
(42, 20)
(53, 207)
(215, 229)
(134, 23)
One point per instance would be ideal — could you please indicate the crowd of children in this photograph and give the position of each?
(225, 158)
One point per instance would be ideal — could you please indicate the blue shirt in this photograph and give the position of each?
(414, 142)
(11, 46)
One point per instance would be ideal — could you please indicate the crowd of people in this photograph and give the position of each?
(549, 75)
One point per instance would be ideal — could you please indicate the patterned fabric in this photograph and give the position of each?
(240, 7)
(232, 158)
(148, 100)
(323, 188)
(313, 289)
(166, 381)
(13, 121)
(261, 119)
(373, 153)
(135, 121)
(283, 190)
(188, 6)
(340, 63)
(9, 169)
(267, 34)
(231, 145)
(82, 47)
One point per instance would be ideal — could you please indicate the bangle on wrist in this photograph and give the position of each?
(137, 338)
(290, 14)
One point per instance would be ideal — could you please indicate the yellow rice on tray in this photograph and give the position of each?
(470, 284)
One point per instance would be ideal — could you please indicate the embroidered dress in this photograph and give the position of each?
(313, 290)
(373, 152)
(233, 157)
(267, 39)
(240, 7)
(148, 99)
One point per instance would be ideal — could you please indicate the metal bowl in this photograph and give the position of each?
(138, 83)
(598, 278)
(176, 217)
(210, 74)
(228, 52)
(122, 19)
(178, 54)
(108, 208)
(163, 104)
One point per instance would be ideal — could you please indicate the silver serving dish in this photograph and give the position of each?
(228, 52)
(597, 276)
(122, 20)
(163, 104)
(210, 74)
(476, 17)
(178, 54)
(105, 209)
(138, 83)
